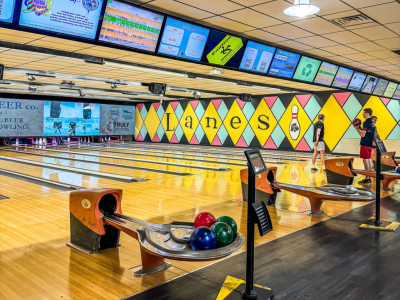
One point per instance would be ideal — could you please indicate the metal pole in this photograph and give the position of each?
(249, 293)
(377, 221)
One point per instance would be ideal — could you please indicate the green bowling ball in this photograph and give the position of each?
(228, 220)
(223, 233)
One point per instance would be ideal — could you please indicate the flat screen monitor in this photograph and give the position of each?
(129, 26)
(357, 81)
(396, 94)
(182, 39)
(381, 87)
(71, 119)
(256, 161)
(257, 57)
(224, 49)
(7, 10)
(326, 73)
(284, 63)
(117, 119)
(77, 18)
(391, 88)
(307, 69)
(342, 78)
(369, 84)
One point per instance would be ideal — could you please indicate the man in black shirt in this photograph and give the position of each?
(367, 135)
(72, 127)
(319, 143)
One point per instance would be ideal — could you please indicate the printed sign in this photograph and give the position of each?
(225, 50)
(117, 119)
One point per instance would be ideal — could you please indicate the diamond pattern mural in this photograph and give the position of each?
(284, 122)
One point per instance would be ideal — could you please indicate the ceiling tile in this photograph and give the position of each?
(365, 3)
(317, 42)
(252, 18)
(288, 31)
(265, 36)
(249, 3)
(318, 26)
(178, 9)
(384, 13)
(392, 44)
(366, 47)
(340, 50)
(344, 37)
(340, 59)
(344, 14)
(389, 67)
(383, 54)
(216, 7)
(375, 33)
(359, 56)
(376, 63)
(320, 53)
(275, 9)
(294, 45)
(331, 6)
(394, 60)
(356, 64)
(226, 24)
(394, 26)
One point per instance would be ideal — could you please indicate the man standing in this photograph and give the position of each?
(367, 137)
(319, 143)
(72, 128)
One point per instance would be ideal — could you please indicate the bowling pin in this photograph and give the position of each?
(40, 141)
(69, 139)
(294, 126)
(44, 141)
(36, 141)
(17, 142)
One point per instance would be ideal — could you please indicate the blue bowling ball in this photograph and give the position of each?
(203, 238)
(398, 170)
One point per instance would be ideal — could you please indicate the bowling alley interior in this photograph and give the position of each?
(199, 150)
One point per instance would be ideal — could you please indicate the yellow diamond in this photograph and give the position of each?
(138, 122)
(235, 122)
(385, 121)
(263, 122)
(287, 123)
(189, 122)
(336, 122)
(210, 122)
(169, 122)
(152, 122)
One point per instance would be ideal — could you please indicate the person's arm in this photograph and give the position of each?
(317, 136)
(362, 132)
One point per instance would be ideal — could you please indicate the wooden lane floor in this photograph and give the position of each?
(35, 263)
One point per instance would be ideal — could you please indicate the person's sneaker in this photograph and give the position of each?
(314, 169)
(365, 181)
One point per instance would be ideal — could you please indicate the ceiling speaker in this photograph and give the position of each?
(157, 88)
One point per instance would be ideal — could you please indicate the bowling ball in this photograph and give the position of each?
(202, 238)
(223, 233)
(231, 222)
(356, 122)
(204, 219)
(398, 170)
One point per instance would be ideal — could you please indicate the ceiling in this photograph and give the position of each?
(366, 47)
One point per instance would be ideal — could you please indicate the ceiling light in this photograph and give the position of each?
(301, 8)
(114, 85)
(32, 88)
(215, 71)
(32, 77)
(196, 95)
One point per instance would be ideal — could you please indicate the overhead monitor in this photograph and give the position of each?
(224, 49)
(182, 39)
(369, 84)
(342, 78)
(117, 119)
(284, 63)
(307, 69)
(7, 10)
(357, 81)
(257, 57)
(77, 18)
(381, 87)
(130, 26)
(391, 88)
(326, 73)
(396, 94)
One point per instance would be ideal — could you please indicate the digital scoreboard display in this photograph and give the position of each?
(7, 10)
(357, 81)
(284, 63)
(369, 84)
(224, 50)
(391, 88)
(130, 26)
(257, 57)
(182, 39)
(342, 78)
(78, 18)
(396, 94)
(307, 69)
(380, 87)
(326, 73)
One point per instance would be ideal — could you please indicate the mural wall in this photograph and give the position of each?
(274, 122)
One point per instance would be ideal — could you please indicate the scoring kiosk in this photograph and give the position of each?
(257, 213)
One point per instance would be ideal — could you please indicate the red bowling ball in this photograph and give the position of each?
(356, 122)
(204, 219)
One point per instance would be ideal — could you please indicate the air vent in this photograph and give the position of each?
(352, 21)
(396, 51)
